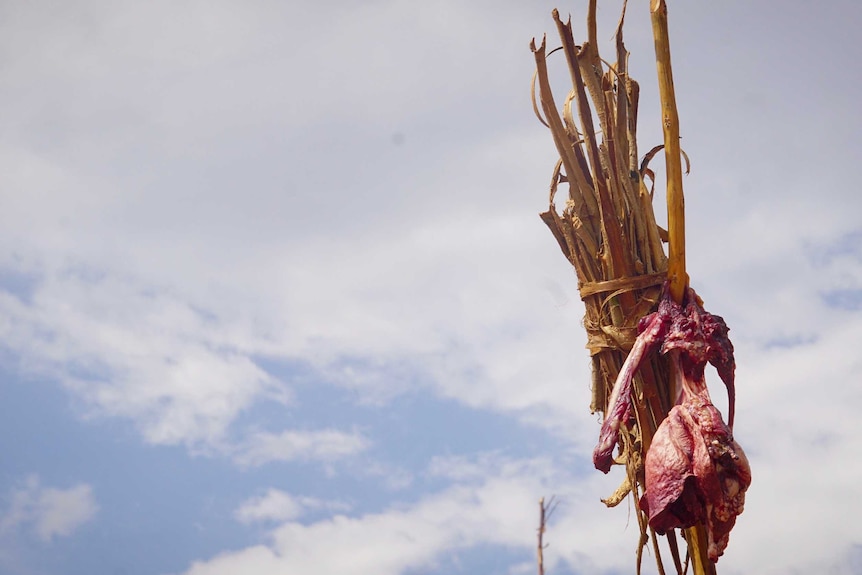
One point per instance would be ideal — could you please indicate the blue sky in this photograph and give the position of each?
(275, 297)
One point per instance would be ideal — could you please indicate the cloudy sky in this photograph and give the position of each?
(275, 297)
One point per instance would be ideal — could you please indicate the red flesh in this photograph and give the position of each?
(694, 470)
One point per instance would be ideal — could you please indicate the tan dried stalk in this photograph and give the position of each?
(608, 232)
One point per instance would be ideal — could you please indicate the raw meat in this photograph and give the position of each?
(694, 470)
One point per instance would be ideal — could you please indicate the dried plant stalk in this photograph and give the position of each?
(607, 230)
(670, 126)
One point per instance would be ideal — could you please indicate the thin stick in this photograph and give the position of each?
(540, 547)
(670, 125)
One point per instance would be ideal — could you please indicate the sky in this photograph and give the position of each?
(275, 297)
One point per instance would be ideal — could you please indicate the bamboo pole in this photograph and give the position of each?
(696, 535)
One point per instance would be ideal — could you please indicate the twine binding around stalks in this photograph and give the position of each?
(608, 232)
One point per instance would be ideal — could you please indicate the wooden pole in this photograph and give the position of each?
(695, 536)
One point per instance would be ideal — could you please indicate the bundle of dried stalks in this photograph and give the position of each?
(608, 231)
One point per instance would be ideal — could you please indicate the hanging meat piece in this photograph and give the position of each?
(694, 470)
(652, 330)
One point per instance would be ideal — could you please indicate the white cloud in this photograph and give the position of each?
(275, 505)
(320, 445)
(493, 504)
(498, 511)
(59, 512)
(51, 512)
(279, 506)
(436, 278)
(130, 351)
